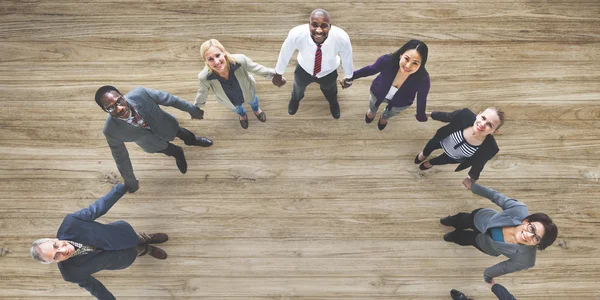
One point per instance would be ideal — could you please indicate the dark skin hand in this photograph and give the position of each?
(278, 80)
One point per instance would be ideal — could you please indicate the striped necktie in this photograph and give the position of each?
(318, 57)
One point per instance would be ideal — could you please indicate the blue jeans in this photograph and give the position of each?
(240, 110)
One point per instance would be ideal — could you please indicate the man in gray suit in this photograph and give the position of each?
(137, 117)
(513, 232)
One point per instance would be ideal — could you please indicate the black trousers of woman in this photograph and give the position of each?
(443, 159)
(465, 232)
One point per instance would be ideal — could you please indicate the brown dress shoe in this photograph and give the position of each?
(158, 238)
(157, 252)
(261, 117)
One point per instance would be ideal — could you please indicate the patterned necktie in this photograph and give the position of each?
(81, 249)
(318, 57)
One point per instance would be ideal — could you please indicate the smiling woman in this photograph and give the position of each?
(513, 232)
(467, 140)
(402, 77)
(227, 75)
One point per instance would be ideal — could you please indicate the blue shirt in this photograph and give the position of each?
(231, 86)
(497, 235)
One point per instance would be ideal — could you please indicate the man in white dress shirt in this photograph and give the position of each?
(320, 47)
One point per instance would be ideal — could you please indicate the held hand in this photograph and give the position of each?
(198, 116)
(491, 284)
(133, 189)
(278, 80)
(345, 83)
(467, 182)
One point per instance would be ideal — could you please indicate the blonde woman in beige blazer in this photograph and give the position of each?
(228, 76)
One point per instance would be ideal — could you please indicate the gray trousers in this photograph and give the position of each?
(386, 113)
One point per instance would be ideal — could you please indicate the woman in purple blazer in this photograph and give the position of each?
(402, 76)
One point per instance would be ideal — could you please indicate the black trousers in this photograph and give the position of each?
(327, 83)
(443, 159)
(188, 137)
(466, 232)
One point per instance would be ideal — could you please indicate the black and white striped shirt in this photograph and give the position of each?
(456, 146)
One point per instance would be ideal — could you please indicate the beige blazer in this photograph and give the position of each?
(246, 81)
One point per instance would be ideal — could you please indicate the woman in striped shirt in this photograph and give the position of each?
(467, 140)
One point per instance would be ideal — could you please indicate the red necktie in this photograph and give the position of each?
(318, 57)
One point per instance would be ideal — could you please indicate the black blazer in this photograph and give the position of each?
(116, 242)
(461, 119)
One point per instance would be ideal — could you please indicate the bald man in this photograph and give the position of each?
(320, 47)
(84, 246)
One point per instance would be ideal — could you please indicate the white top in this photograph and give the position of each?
(391, 92)
(335, 46)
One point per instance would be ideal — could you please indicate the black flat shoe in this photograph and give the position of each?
(381, 126)
(457, 295)
(334, 108)
(368, 120)
(417, 161)
(244, 123)
(180, 161)
(423, 167)
(293, 107)
(203, 142)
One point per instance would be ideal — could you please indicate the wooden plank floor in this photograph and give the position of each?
(301, 207)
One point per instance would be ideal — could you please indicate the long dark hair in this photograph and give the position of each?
(421, 47)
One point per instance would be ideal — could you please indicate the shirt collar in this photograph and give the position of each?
(232, 68)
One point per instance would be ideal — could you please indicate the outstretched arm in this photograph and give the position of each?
(96, 288)
(494, 196)
(121, 156)
(102, 205)
(505, 267)
(166, 99)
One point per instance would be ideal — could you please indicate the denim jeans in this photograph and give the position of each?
(240, 110)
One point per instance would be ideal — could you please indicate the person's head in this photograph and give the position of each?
(319, 24)
(49, 251)
(112, 102)
(537, 230)
(215, 56)
(411, 58)
(488, 121)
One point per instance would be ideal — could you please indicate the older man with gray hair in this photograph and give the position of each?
(84, 246)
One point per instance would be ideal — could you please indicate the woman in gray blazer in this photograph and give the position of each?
(513, 232)
(228, 76)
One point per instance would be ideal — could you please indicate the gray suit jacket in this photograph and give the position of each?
(521, 257)
(163, 127)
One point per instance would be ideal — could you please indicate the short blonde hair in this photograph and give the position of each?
(214, 43)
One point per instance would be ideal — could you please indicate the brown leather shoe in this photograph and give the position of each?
(157, 252)
(244, 123)
(158, 238)
(261, 117)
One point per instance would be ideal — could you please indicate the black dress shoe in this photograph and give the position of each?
(447, 221)
(457, 295)
(449, 237)
(368, 120)
(293, 107)
(203, 142)
(244, 123)
(381, 126)
(180, 160)
(335, 110)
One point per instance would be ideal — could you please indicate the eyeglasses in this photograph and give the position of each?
(531, 229)
(120, 102)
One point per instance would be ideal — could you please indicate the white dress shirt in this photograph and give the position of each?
(337, 44)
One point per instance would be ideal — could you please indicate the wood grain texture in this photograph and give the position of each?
(301, 207)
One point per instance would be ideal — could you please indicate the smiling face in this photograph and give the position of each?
(215, 59)
(410, 62)
(486, 122)
(529, 234)
(116, 105)
(319, 27)
(56, 250)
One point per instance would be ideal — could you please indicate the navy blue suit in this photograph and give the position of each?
(115, 243)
